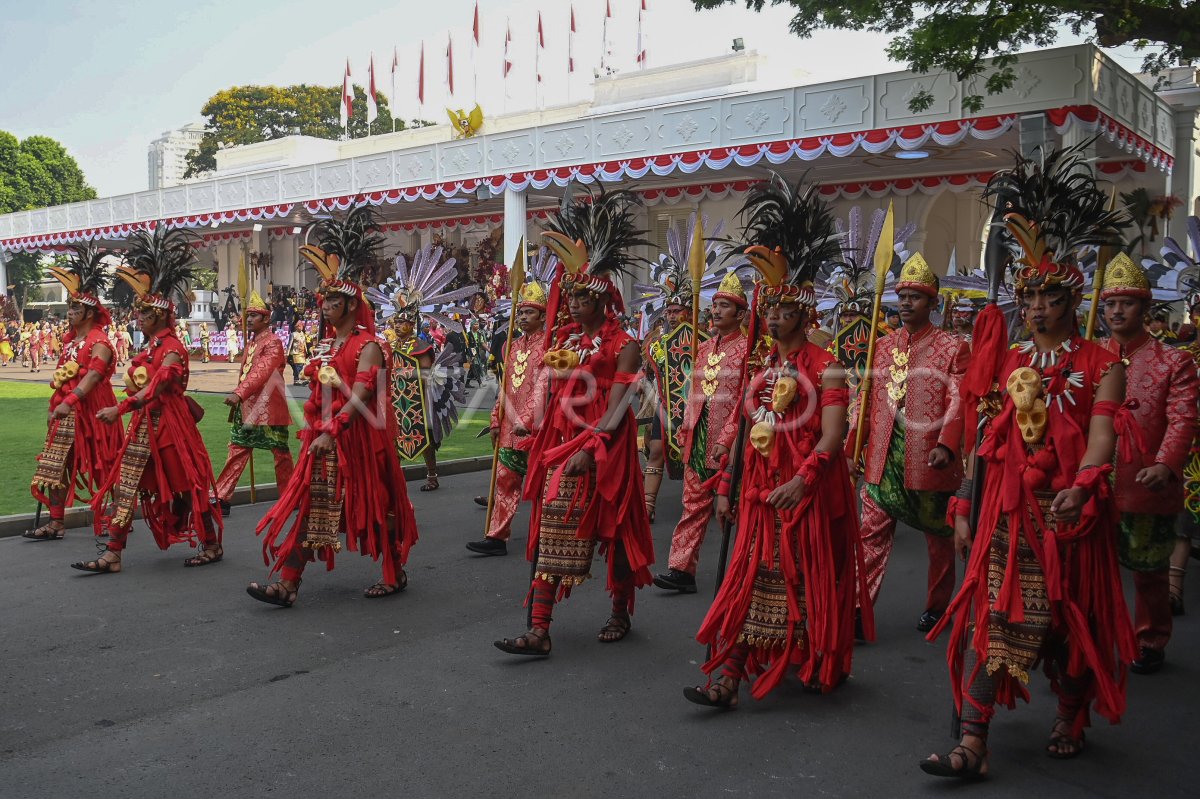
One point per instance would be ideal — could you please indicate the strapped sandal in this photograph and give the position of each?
(614, 630)
(47, 532)
(275, 593)
(100, 565)
(205, 557)
(535, 643)
(381, 589)
(1175, 587)
(1060, 740)
(970, 768)
(431, 482)
(726, 693)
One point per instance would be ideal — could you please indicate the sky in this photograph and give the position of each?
(106, 79)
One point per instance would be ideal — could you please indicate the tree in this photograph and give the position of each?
(962, 37)
(249, 114)
(35, 173)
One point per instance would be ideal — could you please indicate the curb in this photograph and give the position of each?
(81, 516)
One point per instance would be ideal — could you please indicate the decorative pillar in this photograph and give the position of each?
(514, 223)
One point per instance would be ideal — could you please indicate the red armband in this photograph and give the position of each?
(625, 378)
(336, 425)
(71, 400)
(367, 378)
(835, 396)
(813, 466)
(957, 506)
(724, 484)
(97, 364)
(1106, 408)
(1092, 478)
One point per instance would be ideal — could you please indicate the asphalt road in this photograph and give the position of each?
(164, 681)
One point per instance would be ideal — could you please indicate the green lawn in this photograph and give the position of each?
(23, 432)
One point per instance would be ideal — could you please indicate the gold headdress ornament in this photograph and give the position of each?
(533, 294)
(731, 289)
(916, 275)
(256, 305)
(1124, 278)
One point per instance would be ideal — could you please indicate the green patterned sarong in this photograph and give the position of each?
(515, 460)
(1146, 541)
(697, 461)
(253, 436)
(924, 510)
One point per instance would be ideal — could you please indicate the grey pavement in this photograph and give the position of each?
(169, 681)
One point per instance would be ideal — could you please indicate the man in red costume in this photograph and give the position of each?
(710, 426)
(583, 464)
(162, 459)
(787, 600)
(348, 476)
(912, 462)
(78, 451)
(260, 413)
(524, 379)
(1161, 394)
(1042, 584)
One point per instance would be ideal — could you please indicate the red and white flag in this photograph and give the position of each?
(347, 98)
(605, 46)
(507, 45)
(421, 79)
(571, 43)
(372, 100)
(449, 66)
(541, 47)
(475, 24)
(392, 99)
(641, 39)
(475, 52)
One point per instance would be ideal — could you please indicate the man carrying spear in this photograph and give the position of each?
(516, 415)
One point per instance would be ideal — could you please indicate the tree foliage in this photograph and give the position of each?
(249, 114)
(35, 173)
(965, 38)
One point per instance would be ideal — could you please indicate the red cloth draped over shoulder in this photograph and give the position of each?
(179, 464)
(819, 545)
(616, 513)
(1079, 560)
(377, 515)
(96, 443)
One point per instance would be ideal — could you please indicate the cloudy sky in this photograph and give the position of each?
(108, 78)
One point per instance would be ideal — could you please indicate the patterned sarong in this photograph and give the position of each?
(698, 459)
(515, 460)
(52, 464)
(324, 518)
(133, 464)
(255, 436)
(562, 556)
(924, 510)
(1146, 541)
(766, 625)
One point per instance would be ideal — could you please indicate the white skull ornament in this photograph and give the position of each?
(1025, 387)
(783, 394)
(1033, 422)
(762, 438)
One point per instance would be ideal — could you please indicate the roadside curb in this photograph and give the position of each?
(81, 516)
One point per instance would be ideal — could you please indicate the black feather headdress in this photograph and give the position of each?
(159, 265)
(790, 233)
(1055, 210)
(594, 236)
(84, 273)
(345, 247)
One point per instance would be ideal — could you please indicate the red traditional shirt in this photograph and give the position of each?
(1161, 392)
(526, 380)
(919, 376)
(717, 385)
(264, 398)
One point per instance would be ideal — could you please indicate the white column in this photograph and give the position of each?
(514, 223)
(1184, 183)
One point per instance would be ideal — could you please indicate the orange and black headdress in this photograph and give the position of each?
(1055, 210)
(594, 237)
(344, 250)
(158, 266)
(790, 232)
(86, 278)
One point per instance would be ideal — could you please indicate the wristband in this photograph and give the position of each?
(129, 404)
(71, 400)
(957, 506)
(813, 466)
(724, 484)
(965, 489)
(1090, 478)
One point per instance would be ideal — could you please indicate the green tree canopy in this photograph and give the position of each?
(35, 173)
(249, 114)
(962, 37)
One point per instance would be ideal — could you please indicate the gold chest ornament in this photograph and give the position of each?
(247, 362)
(519, 368)
(712, 371)
(898, 384)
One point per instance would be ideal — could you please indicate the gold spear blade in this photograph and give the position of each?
(884, 251)
(696, 259)
(516, 272)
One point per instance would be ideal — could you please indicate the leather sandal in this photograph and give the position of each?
(205, 557)
(100, 565)
(534, 643)
(52, 530)
(726, 693)
(971, 764)
(275, 593)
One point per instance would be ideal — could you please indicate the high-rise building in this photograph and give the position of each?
(168, 153)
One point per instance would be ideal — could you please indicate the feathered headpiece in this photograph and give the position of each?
(421, 289)
(790, 233)
(344, 249)
(670, 281)
(158, 265)
(593, 237)
(86, 278)
(850, 282)
(1054, 210)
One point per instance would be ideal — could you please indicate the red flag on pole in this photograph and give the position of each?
(541, 46)
(449, 65)
(571, 43)
(421, 79)
(605, 49)
(507, 44)
(641, 42)
(395, 69)
(475, 24)
(372, 99)
(347, 98)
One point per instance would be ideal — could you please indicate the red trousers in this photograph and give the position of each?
(505, 501)
(236, 462)
(878, 531)
(693, 524)
(1152, 608)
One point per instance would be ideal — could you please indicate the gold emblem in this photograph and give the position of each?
(898, 386)
(712, 371)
